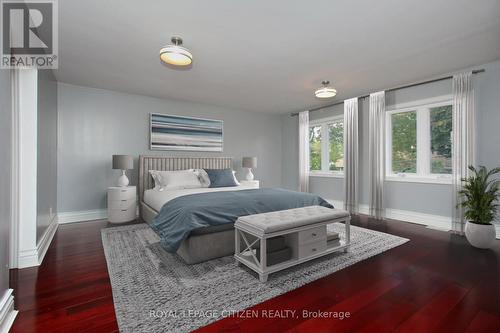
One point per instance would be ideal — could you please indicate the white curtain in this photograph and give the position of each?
(351, 156)
(304, 151)
(376, 137)
(463, 141)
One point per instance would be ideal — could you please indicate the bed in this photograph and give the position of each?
(198, 224)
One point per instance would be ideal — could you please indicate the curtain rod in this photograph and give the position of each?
(477, 71)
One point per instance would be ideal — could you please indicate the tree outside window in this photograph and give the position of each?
(336, 136)
(315, 148)
(404, 142)
(441, 125)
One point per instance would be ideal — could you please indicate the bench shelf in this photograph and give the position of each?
(307, 242)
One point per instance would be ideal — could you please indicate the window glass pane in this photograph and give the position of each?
(441, 123)
(404, 142)
(315, 148)
(336, 132)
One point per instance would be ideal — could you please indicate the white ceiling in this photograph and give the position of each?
(270, 56)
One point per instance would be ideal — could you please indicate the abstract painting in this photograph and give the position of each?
(170, 132)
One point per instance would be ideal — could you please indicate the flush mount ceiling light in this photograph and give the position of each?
(325, 91)
(175, 54)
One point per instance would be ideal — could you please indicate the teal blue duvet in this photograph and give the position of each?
(182, 215)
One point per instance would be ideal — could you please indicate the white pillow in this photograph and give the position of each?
(203, 177)
(173, 180)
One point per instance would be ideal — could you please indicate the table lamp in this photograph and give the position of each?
(124, 163)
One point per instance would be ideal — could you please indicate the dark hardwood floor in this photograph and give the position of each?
(434, 283)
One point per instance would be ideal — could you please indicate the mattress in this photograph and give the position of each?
(156, 199)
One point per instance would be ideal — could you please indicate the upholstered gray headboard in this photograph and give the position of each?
(163, 163)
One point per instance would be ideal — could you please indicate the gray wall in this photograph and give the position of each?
(95, 124)
(423, 198)
(5, 163)
(488, 98)
(47, 151)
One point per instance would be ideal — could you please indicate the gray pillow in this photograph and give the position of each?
(221, 177)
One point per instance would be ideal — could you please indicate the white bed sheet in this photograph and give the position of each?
(156, 199)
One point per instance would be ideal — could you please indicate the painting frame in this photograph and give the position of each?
(185, 121)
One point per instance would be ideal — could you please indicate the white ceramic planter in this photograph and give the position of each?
(480, 235)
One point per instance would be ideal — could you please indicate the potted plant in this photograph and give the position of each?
(480, 196)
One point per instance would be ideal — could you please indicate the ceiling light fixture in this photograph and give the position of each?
(176, 54)
(325, 91)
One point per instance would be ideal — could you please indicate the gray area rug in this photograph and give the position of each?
(154, 291)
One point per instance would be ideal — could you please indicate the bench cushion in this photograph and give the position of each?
(288, 219)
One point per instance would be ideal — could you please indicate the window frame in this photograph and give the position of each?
(423, 174)
(325, 151)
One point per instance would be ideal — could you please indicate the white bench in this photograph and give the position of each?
(304, 230)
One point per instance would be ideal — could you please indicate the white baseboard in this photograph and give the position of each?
(7, 311)
(46, 239)
(27, 258)
(80, 216)
(34, 257)
(433, 221)
(85, 215)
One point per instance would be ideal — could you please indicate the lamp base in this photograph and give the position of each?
(249, 175)
(123, 180)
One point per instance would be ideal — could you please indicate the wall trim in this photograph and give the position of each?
(438, 222)
(81, 216)
(46, 239)
(14, 172)
(7, 311)
(27, 258)
(34, 257)
(434, 221)
(85, 215)
(23, 248)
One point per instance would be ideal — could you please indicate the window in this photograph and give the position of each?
(315, 148)
(404, 142)
(441, 124)
(419, 142)
(326, 146)
(336, 146)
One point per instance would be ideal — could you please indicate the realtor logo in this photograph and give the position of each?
(29, 34)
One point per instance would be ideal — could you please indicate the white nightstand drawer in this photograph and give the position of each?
(122, 204)
(312, 235)
(121, 194)
(121, 215)
(309, 249)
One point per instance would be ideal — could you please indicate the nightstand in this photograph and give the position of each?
(122, 204)
(250, 183)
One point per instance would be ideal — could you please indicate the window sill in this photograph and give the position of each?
(423, 180)
(326, 174)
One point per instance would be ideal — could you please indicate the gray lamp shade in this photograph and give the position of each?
(123, 162)
(249, 162)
